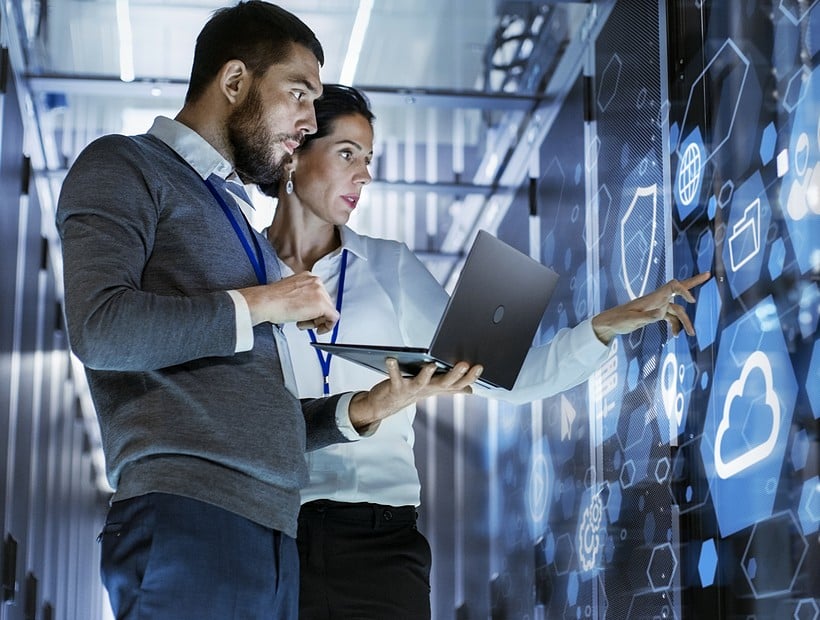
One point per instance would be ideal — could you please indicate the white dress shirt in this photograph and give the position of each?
(390, 298)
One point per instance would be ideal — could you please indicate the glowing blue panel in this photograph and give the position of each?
(767, 143)
(707, 312)
(675, 382)
(813, 380)
(707, 563)
(799, 193)
(809, 511)
(690, 173)
(749, 220)
(747, 420)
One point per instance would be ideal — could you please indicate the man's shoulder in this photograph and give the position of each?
(112, 144)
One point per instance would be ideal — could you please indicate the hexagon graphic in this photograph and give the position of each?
(809, 510)
(610, 77)
(662, 567)
(795, 90)
(707, 562)
(706, 250)
(795, 11)
(768, 571)
(814, 379)
(673, 389)
(809, 310)
(564, 553)
(800, 450)
(807, 609)
(743, 251)
(767, 143)
(690, 173)
(799, 193)
(777, 258)
(747, 419)
(707, 312)
(725, 74)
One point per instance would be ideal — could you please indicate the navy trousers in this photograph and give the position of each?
(362, 562)
(166, 557)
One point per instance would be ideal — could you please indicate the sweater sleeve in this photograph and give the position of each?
(109, 210)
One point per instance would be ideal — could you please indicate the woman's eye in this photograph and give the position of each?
(298, 95)
(346, 155)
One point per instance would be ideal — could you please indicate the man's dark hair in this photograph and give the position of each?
(259, 34)
(336, 101)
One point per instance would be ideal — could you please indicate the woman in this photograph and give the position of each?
(361, 554)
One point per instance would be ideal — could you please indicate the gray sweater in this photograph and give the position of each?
(148, 255)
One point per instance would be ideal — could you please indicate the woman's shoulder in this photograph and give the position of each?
(373, 247)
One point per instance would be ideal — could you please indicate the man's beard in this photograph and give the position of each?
(256, 160)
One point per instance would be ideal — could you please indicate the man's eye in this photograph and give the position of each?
(298, 95)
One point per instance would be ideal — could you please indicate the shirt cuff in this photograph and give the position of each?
(244, 326)
(586, 343)
(343, 420)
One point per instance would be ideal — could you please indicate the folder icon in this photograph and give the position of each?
(744, 242)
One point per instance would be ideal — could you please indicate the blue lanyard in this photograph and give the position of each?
(324, 359)
(257, 258)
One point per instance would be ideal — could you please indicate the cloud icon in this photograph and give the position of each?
(759, 452)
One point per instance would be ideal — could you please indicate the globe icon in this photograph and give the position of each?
(689, 174)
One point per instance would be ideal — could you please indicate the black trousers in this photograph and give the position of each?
(362, 562)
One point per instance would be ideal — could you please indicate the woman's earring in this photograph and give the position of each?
(289, 184)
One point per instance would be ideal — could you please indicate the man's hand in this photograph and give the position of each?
(301, 297)
(397, 392)
(655, 306)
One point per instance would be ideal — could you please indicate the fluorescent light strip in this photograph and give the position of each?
(126, 41)
(354, 46)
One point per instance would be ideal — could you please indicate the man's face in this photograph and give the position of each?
(274, 116)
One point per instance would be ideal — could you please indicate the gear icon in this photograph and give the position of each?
(589, 534)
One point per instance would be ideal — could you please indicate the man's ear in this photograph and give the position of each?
(234, 81)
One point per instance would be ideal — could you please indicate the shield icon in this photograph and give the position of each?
(639, 227)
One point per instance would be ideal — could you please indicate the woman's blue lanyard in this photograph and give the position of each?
(257, 258)
(324, 359)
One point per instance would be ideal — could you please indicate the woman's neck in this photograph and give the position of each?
(301, 240)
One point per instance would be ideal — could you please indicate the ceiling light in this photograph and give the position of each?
(354, 46)
(126, 41)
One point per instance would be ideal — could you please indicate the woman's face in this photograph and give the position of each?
(331, 172)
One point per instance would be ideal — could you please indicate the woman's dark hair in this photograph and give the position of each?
(259, 34)
(337, 100)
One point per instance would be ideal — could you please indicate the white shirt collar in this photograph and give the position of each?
(353, 242)
(192, 147)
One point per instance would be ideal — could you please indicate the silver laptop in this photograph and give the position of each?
(491, 318)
